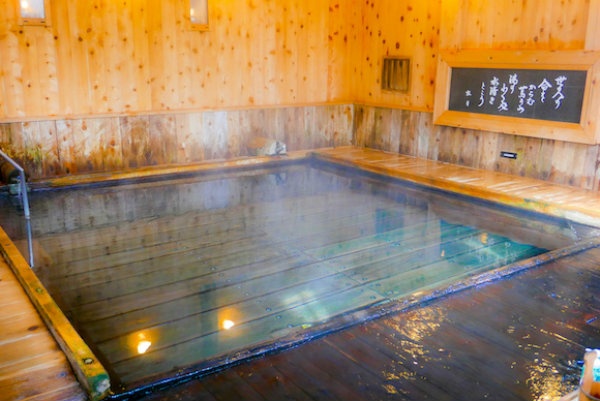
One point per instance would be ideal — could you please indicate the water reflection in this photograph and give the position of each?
(143, 343)
(446, 344)
(545, 381)
(228, 324)
(228, 316)
(409, 331)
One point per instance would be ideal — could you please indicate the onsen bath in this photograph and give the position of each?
(173, 275)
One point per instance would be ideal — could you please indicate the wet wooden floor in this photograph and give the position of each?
(515, 339)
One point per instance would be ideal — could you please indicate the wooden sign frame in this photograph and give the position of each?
(587, 131)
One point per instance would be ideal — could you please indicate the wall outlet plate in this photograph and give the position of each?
(508, 155)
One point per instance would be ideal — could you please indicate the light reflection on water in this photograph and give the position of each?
(545, 381)
(422, 347)
(409, 333)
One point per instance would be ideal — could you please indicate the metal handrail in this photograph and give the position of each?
(25, 199)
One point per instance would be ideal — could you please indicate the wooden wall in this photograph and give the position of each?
(400, 124)
(106, 57)
(93, 144)
(111, 85)
(413, 133)
(398, 29)
(419, 29)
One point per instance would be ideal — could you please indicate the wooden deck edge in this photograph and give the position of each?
(441, 290)
(89, 371)
(585, 216)
(172, 169)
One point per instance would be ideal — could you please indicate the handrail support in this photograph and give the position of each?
(22, 185)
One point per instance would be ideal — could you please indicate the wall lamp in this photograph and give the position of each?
(199, 15)
(33, 12)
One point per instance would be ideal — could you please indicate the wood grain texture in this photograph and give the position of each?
(554, 161)
(51, 148)
(273, 265)
(71, 91)
(32, 366)
(101, 57)
(58, 148)
(89, 371)
(520, 24)
(561, 201)
(139, 57)
(145, 234)
(398, 29)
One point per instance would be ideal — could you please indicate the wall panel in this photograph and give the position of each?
(404, 29)
(474, 24)
(107, 57)
(420, 29)
(87, 145)
(189, 137)
(514, 24)
(556, 161)
(53, 148)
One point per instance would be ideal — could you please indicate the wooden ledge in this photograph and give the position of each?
(576, 205)
(89, 371)
(171, 169)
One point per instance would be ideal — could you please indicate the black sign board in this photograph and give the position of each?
(551, 95)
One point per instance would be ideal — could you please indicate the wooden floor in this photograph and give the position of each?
(32, 366)
(407, 355)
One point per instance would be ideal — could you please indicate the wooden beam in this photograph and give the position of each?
(592, 38)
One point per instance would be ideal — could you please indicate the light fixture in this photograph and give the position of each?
(199, 15)
(33, 12)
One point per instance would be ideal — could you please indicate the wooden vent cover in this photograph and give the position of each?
(395, 74)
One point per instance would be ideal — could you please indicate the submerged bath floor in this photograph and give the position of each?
(162, 276)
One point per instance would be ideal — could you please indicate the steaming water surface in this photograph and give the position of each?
(161, 276)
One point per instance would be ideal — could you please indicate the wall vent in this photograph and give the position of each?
(395, 74)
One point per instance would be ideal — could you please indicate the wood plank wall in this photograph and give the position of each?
(402, 124)
(60, 147)
(413, 133)
(104, 56)
(111, 85)
(121, 84)
(399, 29)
